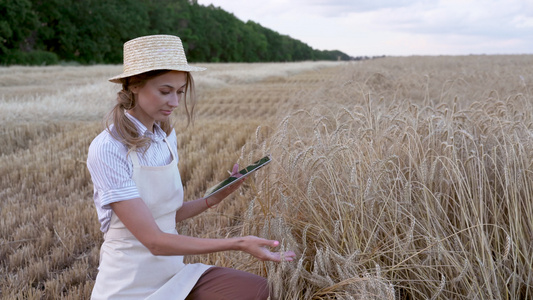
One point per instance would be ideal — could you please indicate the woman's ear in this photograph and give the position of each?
(134, 89)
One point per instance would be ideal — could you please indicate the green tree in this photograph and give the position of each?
(90, 31)
(93, 31)
(17, 26)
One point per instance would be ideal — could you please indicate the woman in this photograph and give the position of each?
(139, 195)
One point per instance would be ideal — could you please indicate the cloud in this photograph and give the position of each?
(396, 27)
(502, 19)
(337, 8)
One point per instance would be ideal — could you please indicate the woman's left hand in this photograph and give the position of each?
(218, 197)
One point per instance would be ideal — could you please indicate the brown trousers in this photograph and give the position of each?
(229, 284)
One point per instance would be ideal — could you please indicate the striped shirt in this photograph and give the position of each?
(112, 169)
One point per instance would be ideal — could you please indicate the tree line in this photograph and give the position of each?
(93, 31)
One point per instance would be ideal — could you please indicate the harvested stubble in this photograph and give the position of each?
(397, 178)
(49, 233)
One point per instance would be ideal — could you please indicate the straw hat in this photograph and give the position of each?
(154, 52)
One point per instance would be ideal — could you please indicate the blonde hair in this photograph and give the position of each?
(124, 129)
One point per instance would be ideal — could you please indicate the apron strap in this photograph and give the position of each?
(134, 158)
(170, 149)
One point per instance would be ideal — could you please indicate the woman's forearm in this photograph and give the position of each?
(191, 208)
(171, 244)
(138, 219)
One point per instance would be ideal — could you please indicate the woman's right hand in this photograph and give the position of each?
(259, 248)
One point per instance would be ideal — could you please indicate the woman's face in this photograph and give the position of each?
(158, 97)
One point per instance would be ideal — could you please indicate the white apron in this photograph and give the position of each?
(127, 268)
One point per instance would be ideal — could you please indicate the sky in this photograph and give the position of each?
(396, 27)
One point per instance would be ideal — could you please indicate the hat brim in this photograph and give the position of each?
(182, 68)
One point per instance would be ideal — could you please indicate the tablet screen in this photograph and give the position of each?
(244, 172)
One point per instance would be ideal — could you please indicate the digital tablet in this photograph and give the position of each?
(244, 172)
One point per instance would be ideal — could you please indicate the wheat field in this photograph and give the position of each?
(393, 178)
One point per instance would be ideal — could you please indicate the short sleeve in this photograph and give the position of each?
(111, 172)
